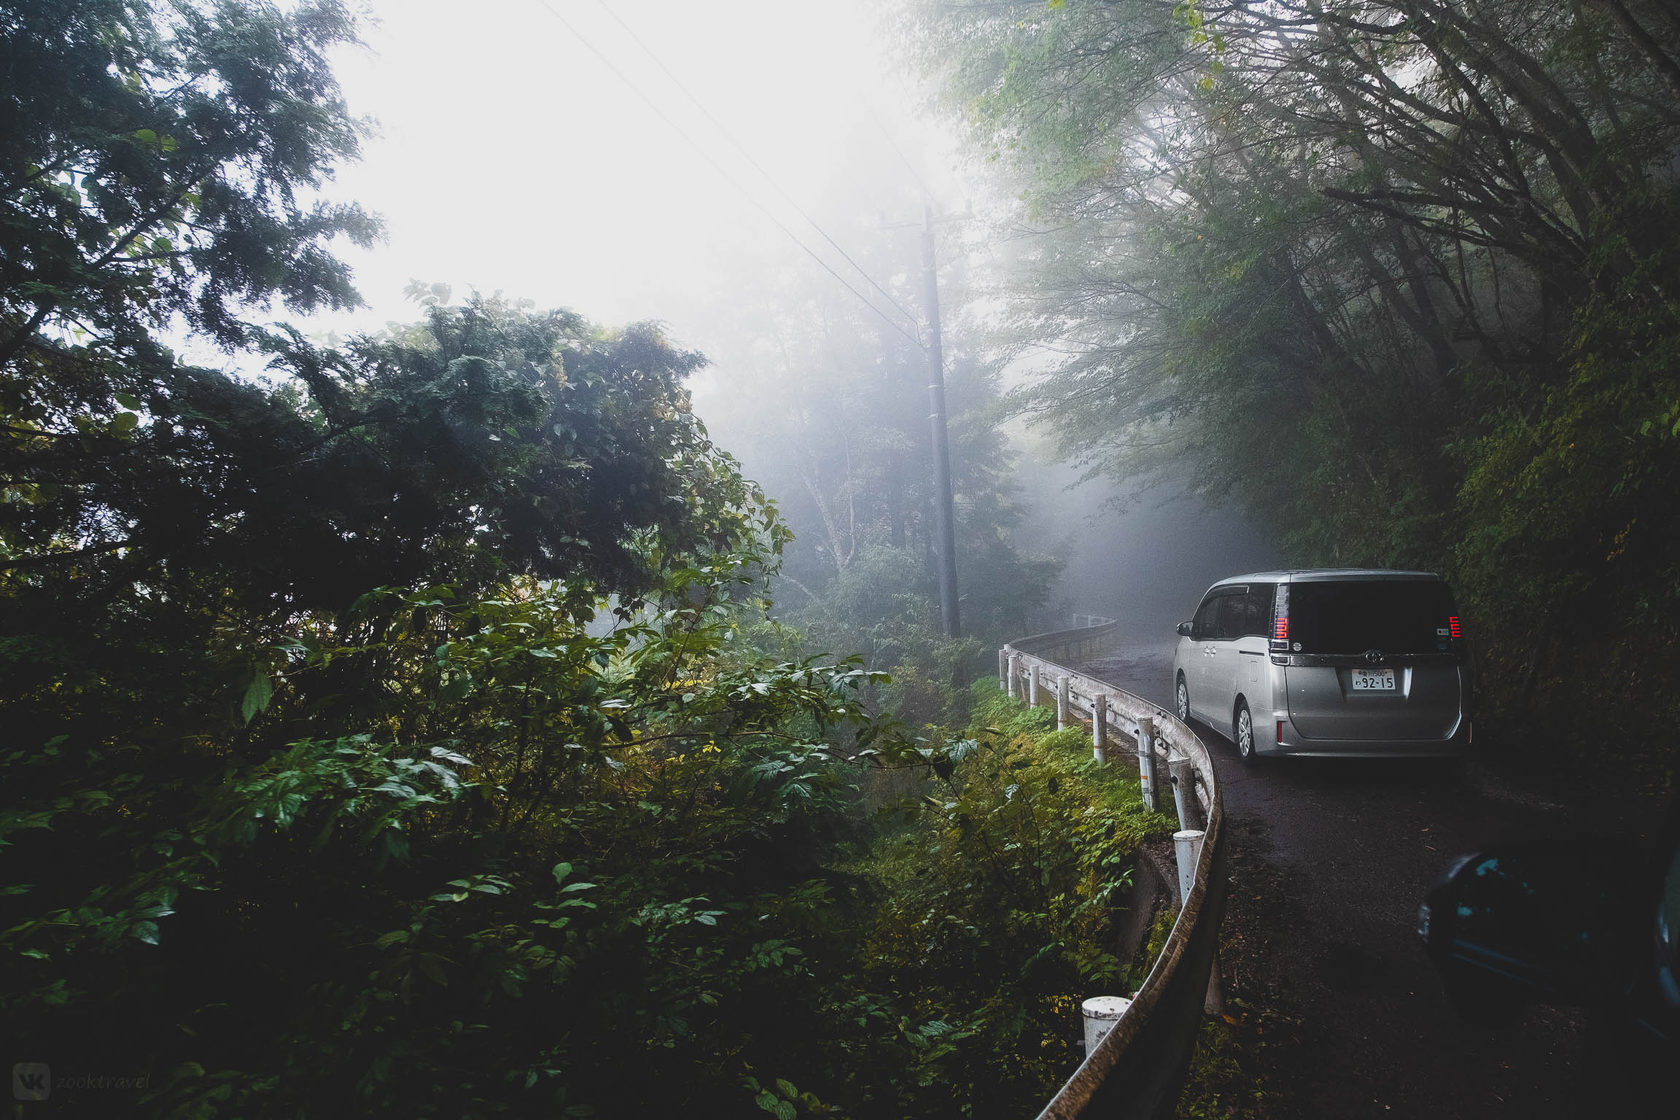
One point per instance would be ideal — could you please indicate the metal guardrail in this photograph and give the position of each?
(1080, 640)
(1138, 1068)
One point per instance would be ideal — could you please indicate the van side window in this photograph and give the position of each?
(1206, 624)
(1231, 616)
(1247, 614)
(1257, 611)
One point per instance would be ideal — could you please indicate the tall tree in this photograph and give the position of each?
(1401, 273)
(194, 645)
(156, 170)
(827, 404)
(158, 161)
(348, 653)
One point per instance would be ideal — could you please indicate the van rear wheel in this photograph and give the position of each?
(1242, 733)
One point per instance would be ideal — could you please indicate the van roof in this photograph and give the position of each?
(1315, 575)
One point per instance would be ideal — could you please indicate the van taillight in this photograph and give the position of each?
(1452, 627)
(1280, 620)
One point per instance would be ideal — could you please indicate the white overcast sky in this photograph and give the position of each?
(511, 156)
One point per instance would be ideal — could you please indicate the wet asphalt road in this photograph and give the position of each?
(1326, 982)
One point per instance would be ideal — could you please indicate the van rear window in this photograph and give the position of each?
(1395, 616)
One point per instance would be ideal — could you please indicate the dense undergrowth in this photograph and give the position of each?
(405, 733)
(545, 867)
(998, 891)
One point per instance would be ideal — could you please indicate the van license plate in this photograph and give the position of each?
(1373, 680)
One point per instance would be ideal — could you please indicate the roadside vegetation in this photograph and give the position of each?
(408, 732)
(1000, 891)
(1399, 275)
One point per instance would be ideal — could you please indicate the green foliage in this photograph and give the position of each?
(607, 876)
(1221, 1084)
(1402, 278)
(408, 735)
(493, 440)
(613, 833)
(833, 420)
(500, 844)
(1572, 552)
(155, 161)
(883, 606)
(1159, 930)
(997, 907)
(993, 708)
(154, 167)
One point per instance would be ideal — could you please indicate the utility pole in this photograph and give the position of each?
(944, 514)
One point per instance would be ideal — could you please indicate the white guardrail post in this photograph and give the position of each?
(1187, 845)
(1146, 761)
(1183, 773)
(1101, 1013)
(1099, 727)
(1014, 675)
(1062, 704)
(1032, 685)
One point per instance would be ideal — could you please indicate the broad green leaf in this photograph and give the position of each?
(430, 964)
(257, 696)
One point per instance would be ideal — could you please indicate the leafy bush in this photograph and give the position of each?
(407, 738)
(996, 907)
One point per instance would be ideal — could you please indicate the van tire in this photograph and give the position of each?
(1181, 700)
(1242, 733)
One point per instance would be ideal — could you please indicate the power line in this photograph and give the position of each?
(730, 179)
(748, 156)
(927, 192)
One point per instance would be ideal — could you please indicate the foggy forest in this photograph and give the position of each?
(501, 705)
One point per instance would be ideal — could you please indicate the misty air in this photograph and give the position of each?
(897, 559)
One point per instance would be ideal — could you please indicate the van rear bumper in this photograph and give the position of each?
(1294, 743)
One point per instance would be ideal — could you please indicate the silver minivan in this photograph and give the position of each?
(1337, 662)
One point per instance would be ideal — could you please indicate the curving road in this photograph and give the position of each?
(1335, 1004)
